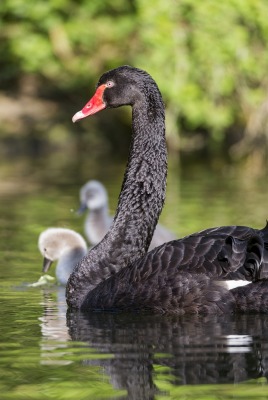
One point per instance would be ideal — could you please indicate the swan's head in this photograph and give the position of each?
(121, 86)
(54, 242)
(93, 195)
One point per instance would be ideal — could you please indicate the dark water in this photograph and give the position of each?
(45, 354)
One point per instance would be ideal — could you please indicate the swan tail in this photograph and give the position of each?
(254, 258)
(252, 298)
(254, 254)
(263, 272)
(264, 234)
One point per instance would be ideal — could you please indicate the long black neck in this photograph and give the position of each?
(140, 204)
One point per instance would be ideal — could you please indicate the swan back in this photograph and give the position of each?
(161, 235)
(64, 245)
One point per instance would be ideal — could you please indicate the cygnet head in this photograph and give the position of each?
(55, 243)
(93, 196)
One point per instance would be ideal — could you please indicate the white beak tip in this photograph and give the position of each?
(77, 116)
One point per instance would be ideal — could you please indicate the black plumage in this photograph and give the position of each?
(178, 277)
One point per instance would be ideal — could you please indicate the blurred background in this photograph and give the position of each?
(209, 59)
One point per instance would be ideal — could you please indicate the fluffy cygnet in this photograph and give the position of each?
(64, 245)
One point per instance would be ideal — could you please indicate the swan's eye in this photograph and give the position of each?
(109, 84)
(45, 249)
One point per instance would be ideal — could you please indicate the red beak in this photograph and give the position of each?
(94, 105)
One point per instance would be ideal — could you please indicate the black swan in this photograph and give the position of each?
(181, 276)
(94, 197)
(64, 245)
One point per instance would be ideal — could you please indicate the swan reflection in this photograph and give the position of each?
(55, 334)
(136, 351)
(189, 350)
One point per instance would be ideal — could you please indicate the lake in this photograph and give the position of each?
(49, 353)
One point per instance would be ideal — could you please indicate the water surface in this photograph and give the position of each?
(48, 354)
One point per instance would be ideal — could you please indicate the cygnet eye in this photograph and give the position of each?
(109, 84)
(45, 249)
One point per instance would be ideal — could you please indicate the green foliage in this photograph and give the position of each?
(209, 58)
(63, 40)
